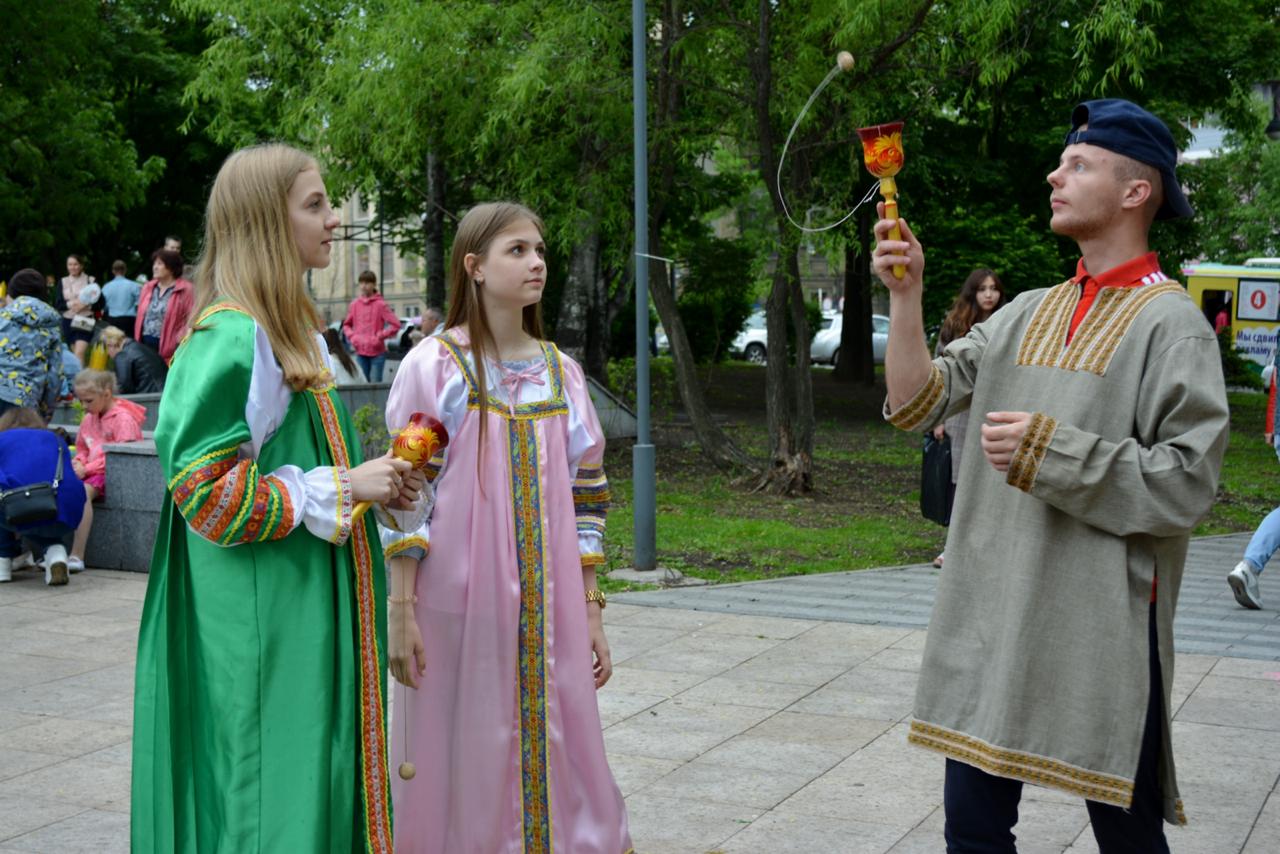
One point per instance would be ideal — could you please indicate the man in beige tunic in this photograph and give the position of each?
(1104, 420)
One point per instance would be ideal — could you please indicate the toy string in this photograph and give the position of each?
(835, 69)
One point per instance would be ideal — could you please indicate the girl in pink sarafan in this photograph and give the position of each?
(494, 619)
(107, 420)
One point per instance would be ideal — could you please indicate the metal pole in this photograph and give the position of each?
(643, 466)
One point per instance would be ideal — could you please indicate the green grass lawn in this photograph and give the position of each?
(864, 510)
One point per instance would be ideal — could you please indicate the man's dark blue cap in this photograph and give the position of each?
(1125, 128)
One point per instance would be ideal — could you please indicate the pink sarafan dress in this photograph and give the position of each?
(504, 730)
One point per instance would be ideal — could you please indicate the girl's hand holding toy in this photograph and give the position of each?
(420, 440)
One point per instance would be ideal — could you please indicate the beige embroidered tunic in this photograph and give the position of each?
(1036, 664)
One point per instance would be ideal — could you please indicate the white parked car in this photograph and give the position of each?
(751, 343)
(826, 344)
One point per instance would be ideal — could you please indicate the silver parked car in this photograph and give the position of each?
(826, 344)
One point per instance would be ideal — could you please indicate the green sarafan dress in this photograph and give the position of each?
(259, 721)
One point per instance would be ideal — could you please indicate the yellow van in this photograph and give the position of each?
(1245, 299)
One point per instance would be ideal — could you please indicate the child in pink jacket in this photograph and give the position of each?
(106, 421)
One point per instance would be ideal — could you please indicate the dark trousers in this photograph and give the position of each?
(981, 808)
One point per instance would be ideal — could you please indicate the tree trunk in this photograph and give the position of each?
(575, 300)
(856, 361)
(433, 233)
(789, 412)
(599, 325)
(782, 472)
(717, 446)
(803, 418)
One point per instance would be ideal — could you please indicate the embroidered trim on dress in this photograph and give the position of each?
(914, 412)
(592, 559)
(200, 476)
(527, 499)
(404, 545)
(553, 405)
(1028, 767)
(1105, 325)
(222, 504)
(1030, 453)
(591, 497)
(373, 746)
(345, 506)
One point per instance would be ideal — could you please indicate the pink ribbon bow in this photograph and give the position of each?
(512, 380)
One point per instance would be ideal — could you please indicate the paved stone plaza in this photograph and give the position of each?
(728, 732)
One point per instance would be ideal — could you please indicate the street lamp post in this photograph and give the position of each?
(643, 467)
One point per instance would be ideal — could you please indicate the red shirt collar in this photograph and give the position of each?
(1142, 270)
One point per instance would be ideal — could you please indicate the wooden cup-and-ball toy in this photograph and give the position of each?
(882, 154)
(418, 442)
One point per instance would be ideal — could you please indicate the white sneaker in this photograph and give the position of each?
(25, 561)
(6, 569)
(1244, 584)
(75, 564)
(55, 566)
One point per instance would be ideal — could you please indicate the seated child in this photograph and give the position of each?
(106, 421)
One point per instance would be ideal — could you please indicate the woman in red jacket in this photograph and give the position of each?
(164, 308)
(370, 322)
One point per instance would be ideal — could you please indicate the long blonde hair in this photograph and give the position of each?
(476, 233)
(250, 257)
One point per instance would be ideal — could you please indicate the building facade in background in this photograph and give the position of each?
(361, 244)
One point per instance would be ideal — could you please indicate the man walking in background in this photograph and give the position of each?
(121, 294)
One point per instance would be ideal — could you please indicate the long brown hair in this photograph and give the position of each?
(476, 233)
(21, 418)
(964, 311)
(250, 257)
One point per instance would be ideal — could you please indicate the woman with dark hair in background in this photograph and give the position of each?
(164, 308)
(980, 296)
(345, 369)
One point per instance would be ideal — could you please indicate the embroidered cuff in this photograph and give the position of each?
(592, 560)
(1026, 461)
(327, 511)
(591, 498)
(913, 414)
(414, 546)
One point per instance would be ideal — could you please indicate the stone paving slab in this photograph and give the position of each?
(727, 733)
(1208, 620)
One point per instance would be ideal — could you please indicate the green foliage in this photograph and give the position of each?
(664, 396)
(715, 297)
(369, 423)
(69, 169)
(1237, 371)
(1237, 202)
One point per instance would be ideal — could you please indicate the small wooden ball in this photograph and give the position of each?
(845, 60)
(407, 771)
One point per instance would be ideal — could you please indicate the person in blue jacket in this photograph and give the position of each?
(30, 346)
(29, 454)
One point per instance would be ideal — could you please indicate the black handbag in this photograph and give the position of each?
(34, 503)
(935, 480)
